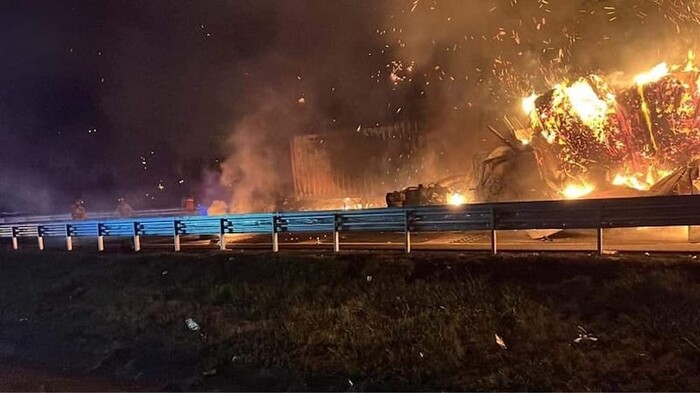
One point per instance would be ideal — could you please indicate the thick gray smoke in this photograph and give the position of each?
(257, 171)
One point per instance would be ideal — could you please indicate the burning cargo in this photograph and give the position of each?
(589, 136)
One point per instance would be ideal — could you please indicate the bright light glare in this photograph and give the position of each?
(456, 199)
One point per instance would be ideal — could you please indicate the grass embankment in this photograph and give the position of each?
(363, 321)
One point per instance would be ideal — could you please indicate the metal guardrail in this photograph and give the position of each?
(570, 214)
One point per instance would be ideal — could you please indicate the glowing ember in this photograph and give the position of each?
(575, 191)
(456, 199)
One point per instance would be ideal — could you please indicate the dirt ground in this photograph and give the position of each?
(355, 321)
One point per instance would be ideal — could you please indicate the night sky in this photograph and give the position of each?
(153, 100)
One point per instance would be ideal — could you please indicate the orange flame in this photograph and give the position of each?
(575, 191)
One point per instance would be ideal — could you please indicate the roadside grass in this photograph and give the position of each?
(379, 321)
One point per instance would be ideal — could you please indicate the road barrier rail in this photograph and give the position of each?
(596, 214)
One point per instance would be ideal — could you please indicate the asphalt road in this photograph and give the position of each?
(672, 239)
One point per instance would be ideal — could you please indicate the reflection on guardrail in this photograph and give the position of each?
(570, 214)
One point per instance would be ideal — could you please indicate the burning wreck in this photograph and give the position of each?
(586, 139)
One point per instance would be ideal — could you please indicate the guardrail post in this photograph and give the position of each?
(222, 234)
(599, 232)
(100, 237)
(494, 235)
(137, 238)
(40, 237)
(69, 237)
(336, 233)
(15, 243)
(275, 235)
(176, 234)
(407, 231)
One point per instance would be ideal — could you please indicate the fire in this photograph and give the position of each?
(575, 191)
(528, 104)
(349, 204)
(588, 99)
(585, 102)
(654, 75)
(624, 135)
(690, 64)
(640, 181)
(456, 199)
(631, 182)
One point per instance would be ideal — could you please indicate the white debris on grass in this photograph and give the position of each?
(209, 372)
(500, 341)
(192, 325)
(583, 335)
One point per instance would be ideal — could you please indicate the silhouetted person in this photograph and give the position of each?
(78, 210)
(124, 210)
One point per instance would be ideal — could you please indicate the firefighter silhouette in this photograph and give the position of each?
(78, 210)
(124, 210)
